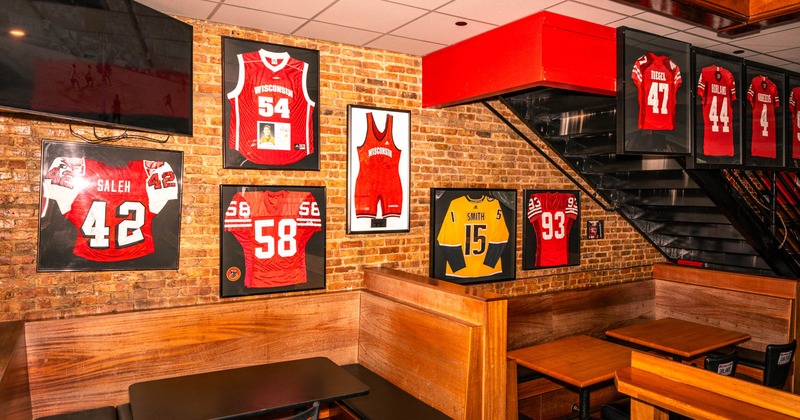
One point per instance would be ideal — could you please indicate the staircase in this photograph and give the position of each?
(734, 220)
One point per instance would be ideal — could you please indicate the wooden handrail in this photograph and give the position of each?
(657, 385)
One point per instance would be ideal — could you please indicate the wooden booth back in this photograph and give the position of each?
(536, 319)
(441, 342)
(88, 362)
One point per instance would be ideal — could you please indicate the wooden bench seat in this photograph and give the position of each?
(100, 413)
(386, 401)
(658, 385)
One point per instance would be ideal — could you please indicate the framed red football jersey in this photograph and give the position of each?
(717, 109)
(273, 239)
(794, 120)
(270, 116)
(654, 109)
(717, 89)
(108, 208)
(551, 235)
(765, 117)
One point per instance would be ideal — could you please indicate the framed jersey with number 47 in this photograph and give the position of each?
(272, 239)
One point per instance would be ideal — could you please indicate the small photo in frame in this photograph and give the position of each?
(551, 236)
(109, 208)
(793, 113)
(473, 235)
(653, 93)
(272, 239)
(718, 109)
(378, 169)
(270, 106)
(595, 229)
(764, 121)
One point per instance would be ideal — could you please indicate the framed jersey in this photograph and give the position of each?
(764, 116)
(793, 116)
(378, 169)
(272, 239)
(270, 117)
(551, 236)
(108, 208)
(473, 235)
(717, 109)
(653, 103)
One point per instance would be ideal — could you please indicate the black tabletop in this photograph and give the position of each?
(251, 389)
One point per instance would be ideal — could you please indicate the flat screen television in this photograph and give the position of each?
(113, 63)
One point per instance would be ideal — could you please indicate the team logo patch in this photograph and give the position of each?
(233, 274)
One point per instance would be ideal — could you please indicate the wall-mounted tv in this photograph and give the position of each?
(111, 63)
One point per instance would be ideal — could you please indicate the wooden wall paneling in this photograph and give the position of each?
(428, 355)
(594, 311)
(767, 319)
(461, 302)
(15, 396)
(494, 358)
(530, 320)
(760, 285)
(90, 361)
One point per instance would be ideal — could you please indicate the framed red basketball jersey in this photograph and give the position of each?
(270, 117)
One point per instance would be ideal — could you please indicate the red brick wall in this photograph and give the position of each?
(449, 149)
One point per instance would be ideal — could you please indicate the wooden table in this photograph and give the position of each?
(252, 389)
(678, 337)
(580, 361)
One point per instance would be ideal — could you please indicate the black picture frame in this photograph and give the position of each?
(465, 235)
(666, 129)
(551, 233)
(288, 146)
(763, 151)
(108, 208)
(272, 239)
(718, 106)
(793, 121)
(378, 174)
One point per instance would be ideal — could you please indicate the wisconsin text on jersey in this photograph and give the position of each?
(375, 151)
(273, 89)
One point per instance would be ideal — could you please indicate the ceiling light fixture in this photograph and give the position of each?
(461, 23)
(739, 52)
(16, 33)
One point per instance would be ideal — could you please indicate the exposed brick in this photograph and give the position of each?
(461, 147)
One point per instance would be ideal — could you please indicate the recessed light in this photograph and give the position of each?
(461, 23)
(739, 52)
(16, 33)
